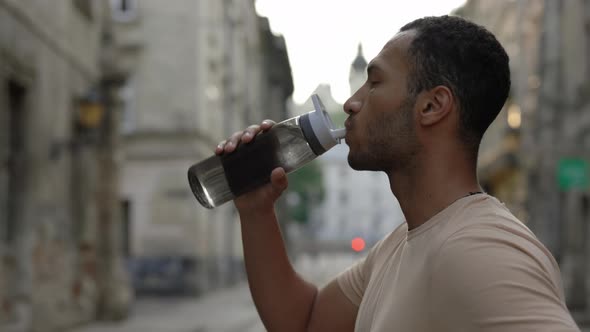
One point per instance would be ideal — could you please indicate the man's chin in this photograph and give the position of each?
(360, 164)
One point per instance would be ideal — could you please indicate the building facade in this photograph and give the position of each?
(60, 263)
(355, 204)
(203, 70)
(535, 157)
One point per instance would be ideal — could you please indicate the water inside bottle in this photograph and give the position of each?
(208, 183)
(251, 164)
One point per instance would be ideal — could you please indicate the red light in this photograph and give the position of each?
(357, 244)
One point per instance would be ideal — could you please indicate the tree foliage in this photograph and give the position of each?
(305, 184)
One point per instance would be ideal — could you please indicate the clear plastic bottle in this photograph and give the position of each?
(289, 144)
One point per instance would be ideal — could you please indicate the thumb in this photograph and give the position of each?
(278, 180)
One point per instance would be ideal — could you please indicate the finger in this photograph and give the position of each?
(278, 180)
(250, 132)
(219, 148)
(233, 141)
(266, 124)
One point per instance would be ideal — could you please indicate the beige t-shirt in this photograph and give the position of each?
(471, 267)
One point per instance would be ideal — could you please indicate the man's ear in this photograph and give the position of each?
(435, 105)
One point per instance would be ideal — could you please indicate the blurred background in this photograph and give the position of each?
(104, 104)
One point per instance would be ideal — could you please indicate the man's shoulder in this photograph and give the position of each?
(388, 244)
(484, 226)
(494, 268)
(488, 233)
(393, 239)
(487, 216)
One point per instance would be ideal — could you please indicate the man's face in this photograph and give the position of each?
(381, 129)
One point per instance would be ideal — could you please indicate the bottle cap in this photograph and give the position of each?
(318, 128)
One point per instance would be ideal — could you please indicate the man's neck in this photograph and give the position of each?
(425, 191)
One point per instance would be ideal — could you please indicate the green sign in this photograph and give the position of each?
(572, 173)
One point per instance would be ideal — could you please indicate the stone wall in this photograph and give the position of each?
(50, 171)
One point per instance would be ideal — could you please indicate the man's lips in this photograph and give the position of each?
(348, 124)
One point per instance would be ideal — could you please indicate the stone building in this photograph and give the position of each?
(202, 70)
(60, 265)
(355, 204)
(535, 156)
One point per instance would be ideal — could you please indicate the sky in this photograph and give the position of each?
(322, 36)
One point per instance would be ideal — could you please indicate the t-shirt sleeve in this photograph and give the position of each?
(352, 281)
(485, 282)
(355, 279)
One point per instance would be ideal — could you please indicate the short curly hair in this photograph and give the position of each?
(466, 58)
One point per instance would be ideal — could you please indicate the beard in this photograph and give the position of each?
(391, 142)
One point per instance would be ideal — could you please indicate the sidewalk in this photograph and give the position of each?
(226, 310)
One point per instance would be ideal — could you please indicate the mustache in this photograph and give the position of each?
(348, 122)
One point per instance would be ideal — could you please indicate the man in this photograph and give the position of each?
(462, 261)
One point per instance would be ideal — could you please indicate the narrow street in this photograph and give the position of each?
(221, 311)
(226, 310)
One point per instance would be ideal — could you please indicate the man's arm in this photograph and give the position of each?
(284, 300)
(332, 310)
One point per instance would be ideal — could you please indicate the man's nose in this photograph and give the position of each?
(352, 106)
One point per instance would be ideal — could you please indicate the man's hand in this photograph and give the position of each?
(263, 198)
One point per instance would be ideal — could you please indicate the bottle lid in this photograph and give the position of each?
(319, 129)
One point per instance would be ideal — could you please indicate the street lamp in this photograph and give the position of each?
(89, 113)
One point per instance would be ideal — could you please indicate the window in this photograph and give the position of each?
(124, 10)
(84, 7)
(126, 226)
(585, 207)
(128, 114)
(15, 168)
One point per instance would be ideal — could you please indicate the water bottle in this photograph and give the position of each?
(289, 144)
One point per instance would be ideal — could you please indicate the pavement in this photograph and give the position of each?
(226, 310)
